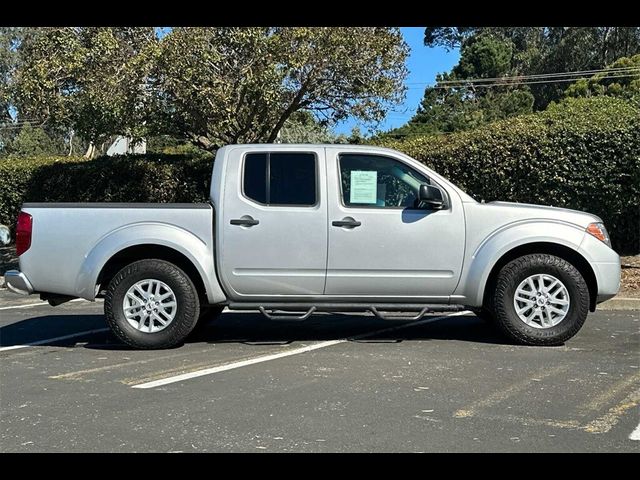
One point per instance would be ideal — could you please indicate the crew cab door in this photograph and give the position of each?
(274, 223)
(379, 244)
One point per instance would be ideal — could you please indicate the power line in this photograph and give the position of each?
(506, 84)
(557, 80)
(580, 73)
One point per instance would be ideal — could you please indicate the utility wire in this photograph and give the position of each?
(439, 86)
(580, 73)
(533, 82)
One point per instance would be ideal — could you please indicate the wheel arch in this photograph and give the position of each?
(144, 241)
(562, 251)
(149, 251)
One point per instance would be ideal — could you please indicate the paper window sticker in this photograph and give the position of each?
(364, 187)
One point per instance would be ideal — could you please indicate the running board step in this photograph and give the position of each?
(382, 316)
(293, 311)
(271, 316)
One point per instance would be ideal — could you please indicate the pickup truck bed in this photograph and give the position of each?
(73, 242)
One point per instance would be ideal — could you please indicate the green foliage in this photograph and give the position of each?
(139, 178)
(32, 142)
(611, 82)
(241, 85)
(302, 127)
(91, 79)
(210, 86)
(582, 154)
(484, 56)
(496, 52)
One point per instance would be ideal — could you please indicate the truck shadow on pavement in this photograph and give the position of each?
(253, 329)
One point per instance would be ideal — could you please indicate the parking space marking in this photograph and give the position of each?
(635, 435)
(528, 421)
(604, 398)
(55, 339)
(39, 304)
(78, 374)
(275, 356)
(502, 395)
(234, 365)
(607, 421)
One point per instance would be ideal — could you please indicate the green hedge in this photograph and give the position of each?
(150, 178)
(582, 154)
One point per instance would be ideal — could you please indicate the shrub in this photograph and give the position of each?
(582, 154)
(151, 178)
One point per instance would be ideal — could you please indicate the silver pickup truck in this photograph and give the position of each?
(295, 229)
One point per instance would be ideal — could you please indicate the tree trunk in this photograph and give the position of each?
(203, 142)
(91, 150)
(70, 143)
(295, 105)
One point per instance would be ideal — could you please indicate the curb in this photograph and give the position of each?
(620, 303)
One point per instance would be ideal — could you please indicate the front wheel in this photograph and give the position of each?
(151, 304)
(540, 299)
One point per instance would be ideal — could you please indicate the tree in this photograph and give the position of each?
(500, 53)
(34, 141)
(611, 82)
(91, 81)
(302, 127)
(231, 85)
(449, 107)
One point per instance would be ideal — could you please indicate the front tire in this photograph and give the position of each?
(540, 299)
(151, 304)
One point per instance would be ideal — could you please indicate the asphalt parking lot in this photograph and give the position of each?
(335, 383)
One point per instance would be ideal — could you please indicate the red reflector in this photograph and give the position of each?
(23, 233)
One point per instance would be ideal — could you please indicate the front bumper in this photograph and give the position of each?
(608, 278)
(18, 283)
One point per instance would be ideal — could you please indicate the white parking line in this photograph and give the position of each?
(51, 340)
(38, 304)
(635, 435)
(275, 356)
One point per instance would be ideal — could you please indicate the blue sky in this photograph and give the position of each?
(423, 65)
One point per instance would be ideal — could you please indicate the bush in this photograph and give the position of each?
(149, 178)
(582, 154)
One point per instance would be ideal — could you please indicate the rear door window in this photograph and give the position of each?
(281, 178)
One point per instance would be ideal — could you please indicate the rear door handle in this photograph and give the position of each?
(346, 222)
(245, 221)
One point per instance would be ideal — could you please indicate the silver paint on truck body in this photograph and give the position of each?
(295, 254)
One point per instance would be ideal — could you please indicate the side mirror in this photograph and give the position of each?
(5, 237)
(431, 196)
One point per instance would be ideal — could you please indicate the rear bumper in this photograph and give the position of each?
(18, 283)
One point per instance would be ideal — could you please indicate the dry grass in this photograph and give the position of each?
(630, 276)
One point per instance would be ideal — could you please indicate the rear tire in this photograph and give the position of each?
(540, 315)
(133, 288)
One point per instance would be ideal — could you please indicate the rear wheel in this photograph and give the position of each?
(540, 299)
(151, 304)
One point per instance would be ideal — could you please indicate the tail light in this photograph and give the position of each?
(23, 233)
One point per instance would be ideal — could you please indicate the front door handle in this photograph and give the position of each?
(245, 221)
(346, 222)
